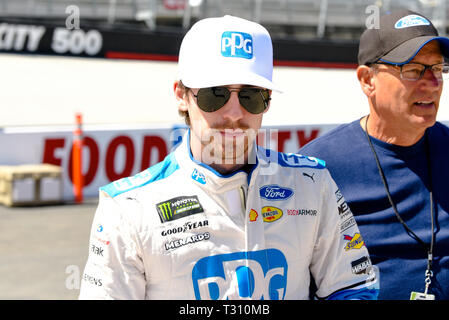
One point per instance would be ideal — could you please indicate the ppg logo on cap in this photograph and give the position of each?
(237, 44)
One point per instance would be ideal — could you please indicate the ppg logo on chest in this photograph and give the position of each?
(241, 275)
(237, 44)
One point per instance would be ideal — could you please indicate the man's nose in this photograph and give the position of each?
(232, 110)
(431, 80)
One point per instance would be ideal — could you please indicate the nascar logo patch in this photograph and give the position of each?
(178, 207)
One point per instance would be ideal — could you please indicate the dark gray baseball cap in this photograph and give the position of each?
(398, 38)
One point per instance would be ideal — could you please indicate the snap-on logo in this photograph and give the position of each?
(411, 21)
(237, 44)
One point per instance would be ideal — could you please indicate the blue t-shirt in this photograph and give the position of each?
(401, 259)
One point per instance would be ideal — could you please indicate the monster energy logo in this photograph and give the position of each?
(178, 207)
(165, 209)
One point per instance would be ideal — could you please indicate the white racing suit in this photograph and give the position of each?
(181, 230)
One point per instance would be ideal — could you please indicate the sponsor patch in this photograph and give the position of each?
(178, 207)
(188, 226)
(354, 242)
(346, 224)
(236, 44)
(198, 177)
(310, 176)
(338, 195)
(412, 20)
(253, 215)
(241, 275)
(271, 214)
(343, 209)
(361, 266)
(175, 244)
(92, 280)
(275, 192)
(97, 250)
(302, 212)
(296, 160)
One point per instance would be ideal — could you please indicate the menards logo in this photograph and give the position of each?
(178, 207)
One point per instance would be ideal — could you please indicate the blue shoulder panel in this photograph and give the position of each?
(291, 159)
(159, 171)
(358, 294)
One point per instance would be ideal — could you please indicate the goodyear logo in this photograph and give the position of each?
(271, 214)
(236, 44)
(355, 242)
(178, 207)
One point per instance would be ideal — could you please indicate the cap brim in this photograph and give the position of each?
(221, 80)
(409, 49)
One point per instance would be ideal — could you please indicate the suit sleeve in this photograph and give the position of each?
(340, 265)
(114, 269)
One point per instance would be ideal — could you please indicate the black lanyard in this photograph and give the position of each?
(429, 249)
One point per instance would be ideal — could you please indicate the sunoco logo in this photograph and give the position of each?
(355, 242)
(271, 214)
(178, 207)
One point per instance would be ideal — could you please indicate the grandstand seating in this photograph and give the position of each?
(303, 18)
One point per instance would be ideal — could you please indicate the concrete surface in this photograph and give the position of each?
(43, 250)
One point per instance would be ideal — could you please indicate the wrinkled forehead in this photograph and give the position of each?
(430, 50)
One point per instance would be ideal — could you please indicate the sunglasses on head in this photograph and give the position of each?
(254, 100)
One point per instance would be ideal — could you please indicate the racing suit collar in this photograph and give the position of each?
(241, 176)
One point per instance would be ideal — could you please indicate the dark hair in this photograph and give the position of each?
(184, 114)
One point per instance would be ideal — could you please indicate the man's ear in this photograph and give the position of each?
(366, 79)
(181, 97)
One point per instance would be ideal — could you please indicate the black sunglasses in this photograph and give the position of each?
(254, 100)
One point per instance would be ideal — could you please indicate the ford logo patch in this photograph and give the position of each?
(411, 21)
(275, 192)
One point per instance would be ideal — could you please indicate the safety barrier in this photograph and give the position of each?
(24, 185)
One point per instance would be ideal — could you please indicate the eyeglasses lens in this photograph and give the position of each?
(254, 100)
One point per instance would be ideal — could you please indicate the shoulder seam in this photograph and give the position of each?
(291, 159)
(157, 172)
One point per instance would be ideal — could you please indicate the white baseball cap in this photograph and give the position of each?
(225, 51)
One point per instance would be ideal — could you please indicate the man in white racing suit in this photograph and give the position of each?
(220, 217)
